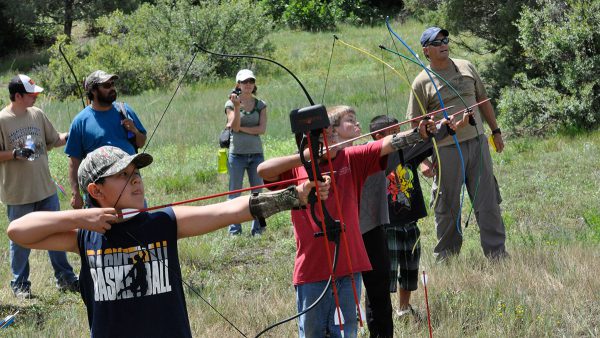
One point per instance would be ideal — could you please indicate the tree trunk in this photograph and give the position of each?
(68, 18)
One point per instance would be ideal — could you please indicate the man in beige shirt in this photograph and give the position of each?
(26, 135)
(480, 181)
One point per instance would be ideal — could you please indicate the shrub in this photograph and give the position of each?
(152, 46)
(558, 88)
(316, 15)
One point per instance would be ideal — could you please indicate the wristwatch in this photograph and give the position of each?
(496, 131)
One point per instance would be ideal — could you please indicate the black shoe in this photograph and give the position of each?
(22, 291)
(64, 286)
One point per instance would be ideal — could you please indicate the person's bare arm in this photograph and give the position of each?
(262, 126)
(140, 138)
(487, 111)
(270, 169)
(57, 230)
(62, 140)
(76, 199)
(233, 115)
(195, 221)
(7, 155)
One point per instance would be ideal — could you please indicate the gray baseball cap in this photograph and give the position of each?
(107, 161)
(98, 77)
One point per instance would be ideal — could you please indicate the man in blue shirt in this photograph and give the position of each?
(103, 122)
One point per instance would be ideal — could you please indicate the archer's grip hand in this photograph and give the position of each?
(471, 120)
(308, 187)
(22, 153)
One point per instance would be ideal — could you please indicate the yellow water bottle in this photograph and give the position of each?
(222, 161)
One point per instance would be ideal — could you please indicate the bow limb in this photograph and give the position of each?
(439, 96)
(77, 85)
(257, 57)
(471, 122)
(407, 80)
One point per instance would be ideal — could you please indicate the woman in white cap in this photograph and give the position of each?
(247, 118)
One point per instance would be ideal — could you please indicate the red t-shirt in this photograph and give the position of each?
(352, 166)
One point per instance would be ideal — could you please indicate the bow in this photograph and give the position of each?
(321, 211)
(406, 79)
(77, 85)
(471, 122)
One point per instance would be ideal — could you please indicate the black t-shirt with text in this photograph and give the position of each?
(130, 278)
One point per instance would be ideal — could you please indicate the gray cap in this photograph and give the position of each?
(107, 161)
(430, 33)
(98, 77)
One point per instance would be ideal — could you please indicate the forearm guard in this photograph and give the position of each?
(266, 204)
(403, 140)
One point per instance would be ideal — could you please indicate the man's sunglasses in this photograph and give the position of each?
(437, 43)
(107, 85)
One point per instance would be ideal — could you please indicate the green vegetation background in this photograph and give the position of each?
(550, 190)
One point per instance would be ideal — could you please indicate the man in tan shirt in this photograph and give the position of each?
(480, 180)
(26, 135)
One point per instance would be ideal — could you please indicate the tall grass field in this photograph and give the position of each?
(551, 207)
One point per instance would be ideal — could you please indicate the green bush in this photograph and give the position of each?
(316, 15)
(559, 87)
(153, 46)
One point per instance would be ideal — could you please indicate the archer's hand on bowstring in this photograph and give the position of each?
(97, 219)
(426, 128)
(305, 187)
(464, 121)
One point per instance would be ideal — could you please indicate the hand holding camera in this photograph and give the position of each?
(22, 153)
(234, 96)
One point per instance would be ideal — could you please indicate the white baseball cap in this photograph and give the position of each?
(23, 84)
(244, 75)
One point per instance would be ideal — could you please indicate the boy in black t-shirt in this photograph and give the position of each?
(130, 274)
(406, 206)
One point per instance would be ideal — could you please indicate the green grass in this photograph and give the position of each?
(550, 189)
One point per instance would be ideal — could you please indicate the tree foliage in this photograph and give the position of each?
(558, 86)
(543, 56)
(152, 46)
(37, 22)
(317, 15)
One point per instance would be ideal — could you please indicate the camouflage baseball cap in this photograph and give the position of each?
(98, 77)
(107, 161)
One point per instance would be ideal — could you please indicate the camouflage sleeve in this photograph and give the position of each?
(406, 139)
(265, 204)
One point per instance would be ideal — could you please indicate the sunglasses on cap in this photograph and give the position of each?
(437, 43)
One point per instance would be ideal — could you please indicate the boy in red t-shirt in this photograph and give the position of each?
(352, 165)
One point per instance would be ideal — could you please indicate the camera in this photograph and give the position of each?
(236, 91)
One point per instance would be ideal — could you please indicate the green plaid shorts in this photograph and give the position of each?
(405, 252)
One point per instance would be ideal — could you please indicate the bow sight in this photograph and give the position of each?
(308, 124)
